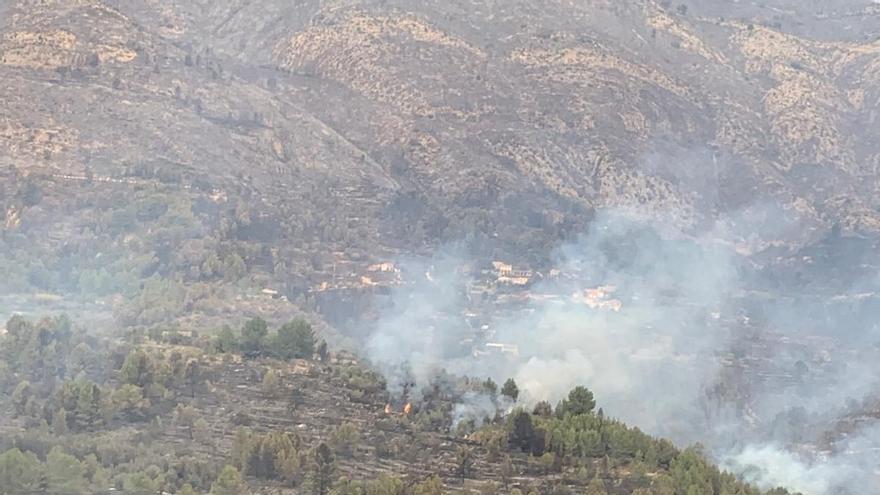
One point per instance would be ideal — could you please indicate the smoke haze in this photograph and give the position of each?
(663, 361)
(171, 161)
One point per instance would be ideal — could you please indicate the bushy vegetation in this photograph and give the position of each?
(90, 415)
(269, 455)
(293, 340)
(576, 432)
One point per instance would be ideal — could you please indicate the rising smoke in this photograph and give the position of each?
(657, 362)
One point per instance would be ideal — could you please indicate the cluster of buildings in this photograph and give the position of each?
(506, 274)
(497, 290)
(598, 298)
(385, 273)
(345, 275)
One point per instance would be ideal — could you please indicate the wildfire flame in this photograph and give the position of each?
(407, 409)
(388, 409)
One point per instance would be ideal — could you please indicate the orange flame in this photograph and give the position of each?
(388, 409)
(407, 408)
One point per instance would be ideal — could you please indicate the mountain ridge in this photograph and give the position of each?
(379, 128)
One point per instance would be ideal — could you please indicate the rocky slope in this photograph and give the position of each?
(295, 128)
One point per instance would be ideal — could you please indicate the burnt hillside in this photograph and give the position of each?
(375, 126)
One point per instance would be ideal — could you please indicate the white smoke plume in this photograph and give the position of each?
(654, 362)
(771, 465)
(852, 469)
(418, 334)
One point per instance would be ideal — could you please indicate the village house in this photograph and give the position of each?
(598, 298)
(506, 274)
(502, 269)
(274, 294)
(385, 267)
(381, 274)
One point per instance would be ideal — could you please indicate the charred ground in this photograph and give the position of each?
(288, 131)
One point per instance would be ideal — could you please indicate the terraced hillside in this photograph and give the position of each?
(291, 130)
(172, 412)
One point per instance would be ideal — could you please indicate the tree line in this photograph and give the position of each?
(293, 340)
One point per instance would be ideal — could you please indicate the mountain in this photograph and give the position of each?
(407, 125)
(187, 164)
